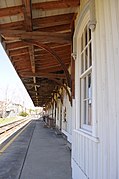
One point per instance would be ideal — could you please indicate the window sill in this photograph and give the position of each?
(87, 135)
(87, 128)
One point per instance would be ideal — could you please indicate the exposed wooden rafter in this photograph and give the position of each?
(29, 28)
(56, 4)
(44, 23)
(27, 15)
(46, 75)
(9, 11)
(32, 59)
(54, 54)
(40, 36)
(37, 37)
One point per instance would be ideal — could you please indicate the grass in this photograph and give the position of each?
(7, 120)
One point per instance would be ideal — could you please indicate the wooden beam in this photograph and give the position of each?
(55, 55)
(27, 14)
(59, 83)
(14, 10)
(41, 97)
(48, 58)
(32, 60)
(18, 52)
(56, 4)
(29, 28)
(20, 58)
(59, 28)
(52, 45)
(59, 49)
(21, 44)
(49, 64)
(10, 11)
(51, 69)
(37, 84)
(51, 61)
(39, 36)
(40, 65)
(30, 83)
(18, 25)
(23, 68)
(16, 45)
(49, 23)
(24, 65)
(46, 94)
(43, 75)
(52, 21)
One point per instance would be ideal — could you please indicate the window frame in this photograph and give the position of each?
(83, 20)
(85, 70)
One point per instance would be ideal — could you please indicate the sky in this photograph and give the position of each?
(10, 84)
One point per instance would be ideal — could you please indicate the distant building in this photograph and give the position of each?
(9, 109)
(13, 109)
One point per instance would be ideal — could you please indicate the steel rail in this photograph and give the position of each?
(10, 126)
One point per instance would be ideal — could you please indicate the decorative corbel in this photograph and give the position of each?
(74, 55)
(60, 96)
(92, 22)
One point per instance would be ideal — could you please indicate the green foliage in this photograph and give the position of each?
(24, 114)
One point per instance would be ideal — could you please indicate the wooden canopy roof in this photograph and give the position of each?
(37, 36)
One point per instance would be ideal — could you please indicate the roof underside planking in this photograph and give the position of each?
(37, 36)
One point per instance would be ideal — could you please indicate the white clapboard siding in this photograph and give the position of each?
(67, 125)
(58, 114)
(91, 158)
(69, 117)
(84, 153)
(107, 55)
(64, 123)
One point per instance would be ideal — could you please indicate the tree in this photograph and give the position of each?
(8, 95)
(24, 114)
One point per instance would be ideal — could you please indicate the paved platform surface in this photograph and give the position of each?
(37, 153)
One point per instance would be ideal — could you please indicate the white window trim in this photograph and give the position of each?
(86, 72)
(86, 127)
(82, 76)
(91, 130)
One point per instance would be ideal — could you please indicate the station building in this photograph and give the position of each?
(85, 105)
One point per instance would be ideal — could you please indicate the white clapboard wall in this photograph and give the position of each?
(107, 59)
(67, 125)
(92, 158)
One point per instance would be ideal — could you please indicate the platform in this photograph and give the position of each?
(37, 153)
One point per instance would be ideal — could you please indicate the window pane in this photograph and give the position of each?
(86, 59)
(90, 114)
(86, 40)
(84, 114)
(89, 34)
(82, 63)
(85, 94)
(89, 88)
(89, 100)
(81, 43)
(90, 54)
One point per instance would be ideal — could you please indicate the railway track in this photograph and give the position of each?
(8, 129)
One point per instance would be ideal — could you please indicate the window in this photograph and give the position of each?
(65, 120)
(86, 79)
(57, 112)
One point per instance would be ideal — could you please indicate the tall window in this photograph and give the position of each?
(86, 79)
